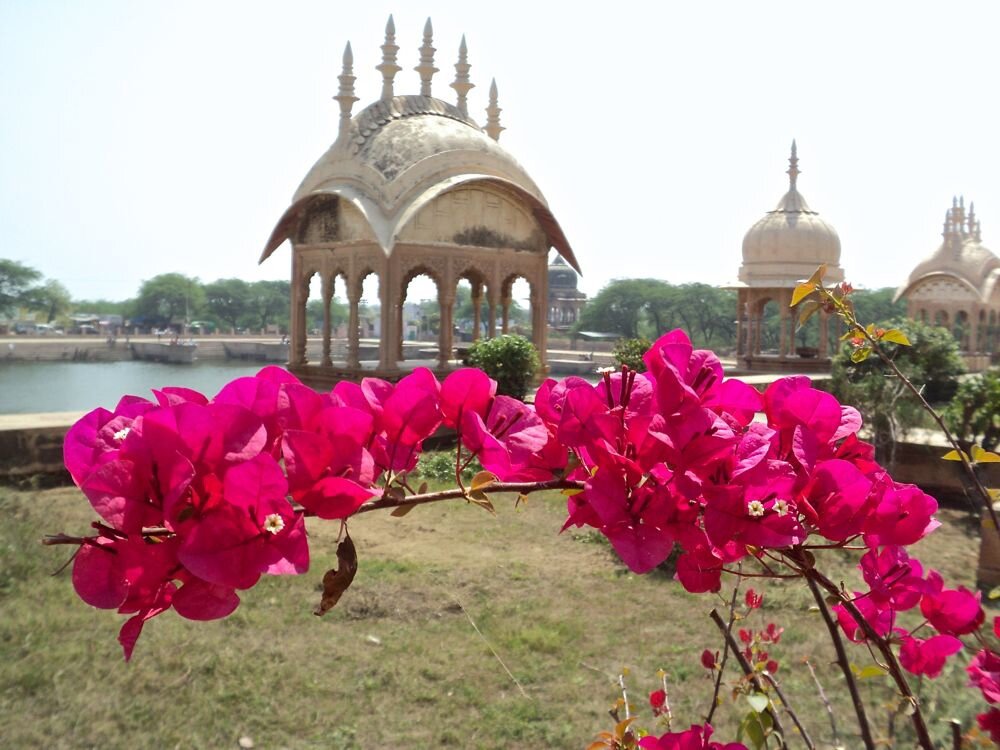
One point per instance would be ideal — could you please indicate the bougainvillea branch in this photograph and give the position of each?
(200, 497)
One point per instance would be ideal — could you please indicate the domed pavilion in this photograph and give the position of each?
(413, 185)
(565, 300)
(784, 248)
(956, 286)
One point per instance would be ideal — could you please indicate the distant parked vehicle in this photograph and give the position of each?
(86, 330)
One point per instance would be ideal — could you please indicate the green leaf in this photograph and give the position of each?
(478, 497)
(802, 291)
(758, 701)
(896, 336)
(994, 593)
(955, 456)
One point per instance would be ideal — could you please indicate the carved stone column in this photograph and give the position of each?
(740, 333)
(538, 324)
(353, 324)
(388, 345)
(491, 315)
(446, 304)
(327, 281)
(297, 323)
(399, 329)
(477, 303)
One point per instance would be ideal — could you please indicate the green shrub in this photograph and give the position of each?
(629, 352)
(974, 413)
(510, 360)
(440, 467)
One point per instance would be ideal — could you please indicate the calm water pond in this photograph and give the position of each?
(27, 387)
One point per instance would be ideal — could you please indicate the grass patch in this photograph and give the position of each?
(397, 663)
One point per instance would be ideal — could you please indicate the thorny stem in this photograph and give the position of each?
(787, 708)
(826, 702)
(750, 673)
(431, 497)
(725, 653)
(891, 663)
(845, 666)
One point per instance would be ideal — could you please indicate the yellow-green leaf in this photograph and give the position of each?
(896, 336)
(402, 510)
(955, 456)
(860, 355)
(801, 292)
(864, 673)
(758, 701)
(478, 497)
(818, 275)
(807, 310)
(483, 479)
(994, 593)
(981, 456)
(522, 499)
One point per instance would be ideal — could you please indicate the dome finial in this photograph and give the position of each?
(493, 127)
(426, 68)
(462, 85)
(345, 96)
(389, 68)
(793, 167)
(972, 217)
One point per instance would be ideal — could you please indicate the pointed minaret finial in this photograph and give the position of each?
(493, 127)
(426, 68)
(971, 220)
(979, 231)
(345, 96)
(793, 167)
(389, 68)
(462, 85)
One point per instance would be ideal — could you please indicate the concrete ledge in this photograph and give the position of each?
(31, 447)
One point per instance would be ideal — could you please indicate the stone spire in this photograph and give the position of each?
(462, 85)
(493, 128)
(426, 68)
(389, 68)
(793, 168)
(971, 220)
(345, 96)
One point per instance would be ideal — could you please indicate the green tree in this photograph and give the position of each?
(974, 413)
(932, 361)
(618, 307)
(877, 304)
(169, 298)
(229, 300)
(52, 299)
(510, 360)
(16, 280)
(271, 303)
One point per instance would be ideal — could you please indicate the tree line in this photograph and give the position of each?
(645, 308)
(169, 299)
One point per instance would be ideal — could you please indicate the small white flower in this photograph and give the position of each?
(122, 433)
(274, 523)
(781, 507)
(755, 508)
(606, 370)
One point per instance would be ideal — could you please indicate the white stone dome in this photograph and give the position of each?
(789, 243)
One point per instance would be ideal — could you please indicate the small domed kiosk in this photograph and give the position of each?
(781, 250)
(956, 286)
(414, 186)
(565, 300)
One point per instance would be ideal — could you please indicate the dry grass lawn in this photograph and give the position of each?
(398, 663)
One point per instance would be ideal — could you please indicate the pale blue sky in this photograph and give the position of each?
(140, 138)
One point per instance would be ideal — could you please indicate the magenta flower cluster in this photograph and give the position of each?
(199, 498)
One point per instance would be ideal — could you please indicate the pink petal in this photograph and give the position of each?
(98, 577)
(201, 600)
